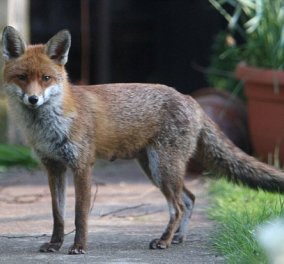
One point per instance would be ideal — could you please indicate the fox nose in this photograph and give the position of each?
(33, 99)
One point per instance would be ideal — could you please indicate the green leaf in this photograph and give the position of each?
(16, 155)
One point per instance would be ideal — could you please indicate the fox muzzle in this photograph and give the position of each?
(33, 99)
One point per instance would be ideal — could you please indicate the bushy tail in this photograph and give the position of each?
(222, 157)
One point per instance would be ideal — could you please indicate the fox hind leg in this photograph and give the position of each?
(143, 161)
(176, 210)
(188, 200)
(169, 178)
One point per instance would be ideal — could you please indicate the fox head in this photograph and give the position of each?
(34, 74)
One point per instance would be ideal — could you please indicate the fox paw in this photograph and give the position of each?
(177, 239)
(50, 247)
(76, 249)
(158, 244)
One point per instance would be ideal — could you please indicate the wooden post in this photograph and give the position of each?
(14, 13)
(103, 42)
(3, 22)
(85, 42)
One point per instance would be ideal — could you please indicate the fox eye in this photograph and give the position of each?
(22, 77)
(46, 78)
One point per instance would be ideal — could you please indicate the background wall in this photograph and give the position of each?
(156, 41)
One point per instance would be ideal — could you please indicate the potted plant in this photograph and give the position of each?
(261, 25)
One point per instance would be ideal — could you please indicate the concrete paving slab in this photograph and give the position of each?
(128, 213)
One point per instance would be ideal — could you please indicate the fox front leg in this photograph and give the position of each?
(57, 185)
(83, 183)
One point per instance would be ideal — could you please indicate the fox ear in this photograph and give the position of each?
(58, 46)
(13, 45)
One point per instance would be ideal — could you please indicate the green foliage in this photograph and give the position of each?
(14, 155)
(225, 57)
(3, 119)
(261, 23)
(238, 211)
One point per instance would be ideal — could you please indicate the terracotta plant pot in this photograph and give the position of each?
(265, 98)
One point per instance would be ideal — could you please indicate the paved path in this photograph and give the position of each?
(128, 213)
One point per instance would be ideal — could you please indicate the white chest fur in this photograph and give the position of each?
(47, 130)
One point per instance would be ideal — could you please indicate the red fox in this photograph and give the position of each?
(70, 126)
